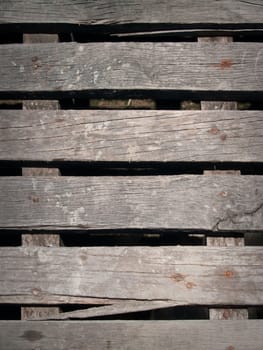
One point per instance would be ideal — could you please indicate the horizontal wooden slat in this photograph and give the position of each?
(184, 335)
(162, 202)
(94, 67)
(154, 335)
(183, 275)
(132, 136)
(135, 12)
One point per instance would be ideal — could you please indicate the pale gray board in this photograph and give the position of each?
(128, 136)
(121, 66)
(183, 275)
(101, 12)
(124, 335)
(153, 202)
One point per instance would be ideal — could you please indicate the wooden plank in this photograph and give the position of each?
(183, 275)
(210, 136)
(128, 66)
(133, 335)
(103, 12)
(165, 202)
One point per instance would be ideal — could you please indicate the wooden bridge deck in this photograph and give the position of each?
(131, 217)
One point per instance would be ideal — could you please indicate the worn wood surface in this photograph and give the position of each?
(161, 202)
(135, 12)
(132, 135)
(93, 67)
(183, 275)
(154, 335)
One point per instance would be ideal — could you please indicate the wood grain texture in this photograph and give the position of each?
(184, 335)
(132, 136)
(163, 202)
(135, 12)
(183, 275)
(133, 335)
(94, 67)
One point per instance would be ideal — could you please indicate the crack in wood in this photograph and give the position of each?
(233, 216)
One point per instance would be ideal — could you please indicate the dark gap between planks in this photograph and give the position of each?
(13, 35)
(145, 29)
(12, 312)
(254, 97)
(129, 237)
(13, 168)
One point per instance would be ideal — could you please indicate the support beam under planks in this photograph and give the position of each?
(46, 240)
(151, 12)
(128, 67)
(132, 136)
(223, 241)
(218, 203)
(179, 275)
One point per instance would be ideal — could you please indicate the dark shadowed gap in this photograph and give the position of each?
(156, 168)
(10, 171)
(255, 312)
(10, 37)
(10, 239)
(10, 312)
(72, 168)
(11, 104)
(171, 313)
(130, 238)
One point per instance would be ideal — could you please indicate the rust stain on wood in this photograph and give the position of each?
(228, 273)
(177, 277)
(190, 285)
(225, 64)
(214, 130)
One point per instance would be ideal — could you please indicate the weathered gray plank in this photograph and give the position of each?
(161, 202)
(131, 66)
(154, 335)
(183, 275)
(132, 135)
(135, 12)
